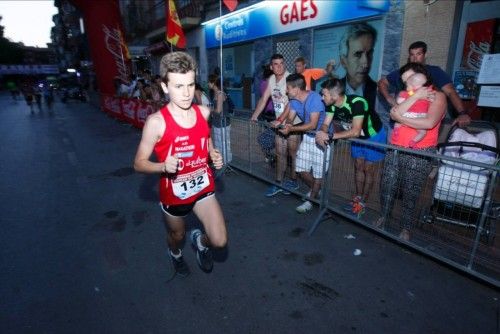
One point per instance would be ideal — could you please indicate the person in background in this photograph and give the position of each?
(125, 88)
(286, 145)
(418, 109)
(358, 120)
(221, 122)
(312, 74)
(146, 75)
(408, 171)
(117, 82)
(417, 54)
(268, 113)
(12, 87)
(48, 95)
(200, 97)
(28, 92)
(159, 97)
(309, 107)
(137, 90)
(146, 93)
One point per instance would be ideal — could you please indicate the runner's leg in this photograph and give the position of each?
(176, 231)
(210, 214)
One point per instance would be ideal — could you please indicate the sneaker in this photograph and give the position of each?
(308, 195)
(203, 257)
(348, 207)
(180, 266)
(358, 209)
(304, 207)
(291, 185)
(273, 190)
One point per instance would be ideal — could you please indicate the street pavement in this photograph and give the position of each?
(83, 250)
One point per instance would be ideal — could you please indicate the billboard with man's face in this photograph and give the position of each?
(355, 47)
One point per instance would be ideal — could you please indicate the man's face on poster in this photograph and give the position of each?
(358, 61)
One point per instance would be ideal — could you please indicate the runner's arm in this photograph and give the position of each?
(151, 133)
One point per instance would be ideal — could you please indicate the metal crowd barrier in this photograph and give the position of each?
(455, 214)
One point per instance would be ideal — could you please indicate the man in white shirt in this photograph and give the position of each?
(286, 145)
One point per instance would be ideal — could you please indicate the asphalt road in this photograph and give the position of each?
(83, 251)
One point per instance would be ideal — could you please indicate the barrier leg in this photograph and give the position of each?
(323, 198)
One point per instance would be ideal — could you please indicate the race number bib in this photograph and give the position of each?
(188, 185)
(279, 107)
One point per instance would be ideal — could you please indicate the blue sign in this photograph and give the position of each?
(268, 18)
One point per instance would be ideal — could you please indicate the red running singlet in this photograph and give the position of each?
(194, 176)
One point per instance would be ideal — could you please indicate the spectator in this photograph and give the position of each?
(312, 74)
(221, 122)
(286, 145)
(407, 170)
(125, 88)
(309, 107)
(200, 97)
(417, 53)
(418, 109)
(48, 95)
(357, 120)
(146, 93)
(159, 96)
(146, 75)
(268, 113)
(137, 89)
(28, 92)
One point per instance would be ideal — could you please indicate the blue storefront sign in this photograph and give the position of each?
(274, 17)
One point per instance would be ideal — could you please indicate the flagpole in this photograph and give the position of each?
(224, 129)
(220, 43)
(222, 84)
(166, 32)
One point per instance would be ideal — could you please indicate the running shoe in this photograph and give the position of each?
(291, 185)
(203, 256)
(304, 207)
(273, 190)
(358, 209)
(348, 207)
(180, 266)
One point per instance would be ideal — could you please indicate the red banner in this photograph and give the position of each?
(104, 30)
(111, 105)
(143, 110)
(132, 111)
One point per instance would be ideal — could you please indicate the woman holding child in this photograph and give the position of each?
(407, 170)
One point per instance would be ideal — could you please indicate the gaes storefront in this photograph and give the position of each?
(309, 28)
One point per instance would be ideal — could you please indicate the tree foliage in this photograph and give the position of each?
(12, 53)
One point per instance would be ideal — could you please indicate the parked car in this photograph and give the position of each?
(73, 93)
